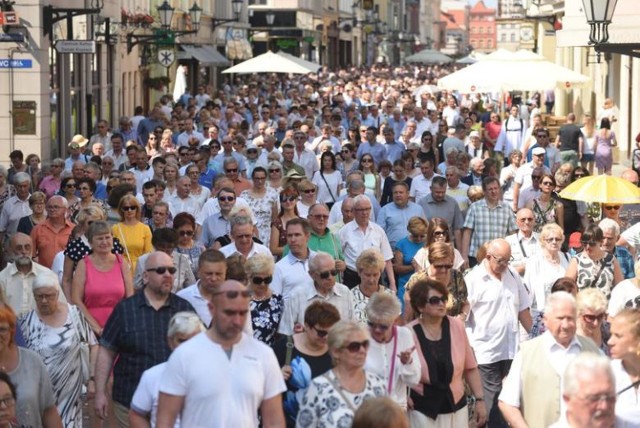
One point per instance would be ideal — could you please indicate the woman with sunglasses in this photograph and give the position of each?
(305, 355)
(134, 235)
(185, 226)
(266, 307)
(392, 354)
(446, 360)
(427, 149)
(333, 398)
(369, 265)
(611, 211)
(371, 177)
(592, 318)
(441, 269)
(274, 180)
(288, 210)
(624, 346)
(347, 159)
(593, 267)
(68, 188)
(263, 202)
(101, 279)
(546, 266)
(86, 187)
(437, 231)
(546, 209)
(308, 192)
(153, 146)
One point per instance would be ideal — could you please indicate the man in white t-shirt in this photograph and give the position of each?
(239, 376)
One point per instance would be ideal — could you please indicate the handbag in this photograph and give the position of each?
(85, 358)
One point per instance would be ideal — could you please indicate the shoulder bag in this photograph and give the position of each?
(85, 359)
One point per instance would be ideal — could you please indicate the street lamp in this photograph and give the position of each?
(165, 35)
(599, 14)
(271, 18)
(236, 7)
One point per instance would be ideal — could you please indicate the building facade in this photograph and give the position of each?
(482, 28)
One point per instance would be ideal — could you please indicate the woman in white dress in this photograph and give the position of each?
(56, 332)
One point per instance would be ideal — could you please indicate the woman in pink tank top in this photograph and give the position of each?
(101, 279)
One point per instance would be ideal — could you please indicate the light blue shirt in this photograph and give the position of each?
(394, 150)
(394, 220)
(377, 151)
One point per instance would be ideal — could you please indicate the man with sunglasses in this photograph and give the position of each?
(498, 302)
(322, 269)
(239, 377)
(525, 243)
(532, 392)
(524, 174)
(528, 194)
(135, 336)
(292, 271)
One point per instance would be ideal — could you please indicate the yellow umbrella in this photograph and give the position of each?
(603, 189)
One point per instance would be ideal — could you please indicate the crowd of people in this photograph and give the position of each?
(334, 250)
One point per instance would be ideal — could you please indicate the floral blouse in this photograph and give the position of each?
(265, 317)
(324, 406)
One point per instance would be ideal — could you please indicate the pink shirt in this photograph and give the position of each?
(50, 185)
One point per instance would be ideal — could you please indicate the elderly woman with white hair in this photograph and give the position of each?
(592, 322)
(266, 307)
(333, 398)
(58, 332)
(610, 236)
(144, 404)
(392, 352)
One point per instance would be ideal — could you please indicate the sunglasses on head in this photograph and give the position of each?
(354, 347)
(435, 300)
(327, 274)
(162, 269)
(257, 280)
(233, 294)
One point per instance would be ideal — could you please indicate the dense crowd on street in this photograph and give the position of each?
(350, 248)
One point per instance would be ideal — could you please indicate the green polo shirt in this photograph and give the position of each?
(327, 243)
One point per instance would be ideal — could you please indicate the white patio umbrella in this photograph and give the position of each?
(180, 84)
(269, 63)
(504, 71)
(303, 62)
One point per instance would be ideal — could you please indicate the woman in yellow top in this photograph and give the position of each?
(134, 235)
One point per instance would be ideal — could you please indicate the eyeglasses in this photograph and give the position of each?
(232, 170)
(320, 216)
(259, 178)
(186, 233)
(308, 191)
(367, 161)
(233, 294)
(547, 183)
(435, 300)
(83, 188)
(320, 333)
(589, 243)
(129, 208)
(327, 274)
(553, 239)
(226, 198)
(54, 207)
(501, 261)
(362, 210)
(376, 326)
(440, 233)
(45, 297)
(590, 318)
(447, 267)
(288, 198)
(612, 207)
(593, 399)
(525, 219)
(160, 270)
(354, 347)
(541, 155)
(536, 177)
(274, 170)
(257, 280)
(7, 401)
(542, 136)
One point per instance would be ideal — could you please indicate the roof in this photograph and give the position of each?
(481, 8)
(454, 19)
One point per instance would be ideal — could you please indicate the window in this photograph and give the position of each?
(513, 37)
(503, 37)
(489, 43)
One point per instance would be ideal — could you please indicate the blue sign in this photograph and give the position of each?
(16, 63)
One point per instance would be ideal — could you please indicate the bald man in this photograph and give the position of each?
(498, 302)
(16, 279)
